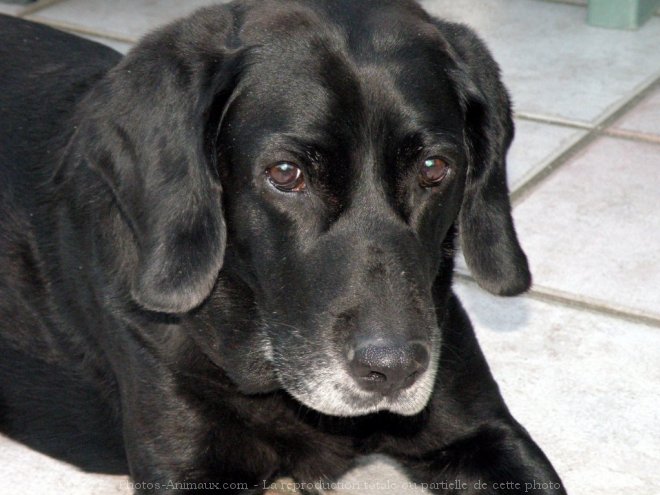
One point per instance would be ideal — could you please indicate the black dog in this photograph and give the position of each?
(227, 257)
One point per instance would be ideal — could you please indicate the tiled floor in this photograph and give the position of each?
(644, 119)
(578, 358)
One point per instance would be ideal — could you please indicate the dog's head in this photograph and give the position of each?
(325, 152)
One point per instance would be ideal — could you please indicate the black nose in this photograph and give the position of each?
(386, 367)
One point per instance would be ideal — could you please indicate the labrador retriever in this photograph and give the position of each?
(227, 256)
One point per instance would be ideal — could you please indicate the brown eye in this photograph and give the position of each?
(286, 176)
(433, 171)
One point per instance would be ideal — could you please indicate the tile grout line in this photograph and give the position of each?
(550, 296)
(600, 129)
(585, 126)
(550, 119)
(36, 7)
(545, 294)
(640, 137)
(77, 28)
(549, 158)
(574, 3)
(525, 190)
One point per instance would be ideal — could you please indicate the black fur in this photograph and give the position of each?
(164, 309)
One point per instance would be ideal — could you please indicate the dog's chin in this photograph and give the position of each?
(362, 407)
(329, 394)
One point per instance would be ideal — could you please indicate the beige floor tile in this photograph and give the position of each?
(553, 62)
(534, 146)
(125, 18)
(586, 386)
(120, 46)
(644, 118)
(593, 228)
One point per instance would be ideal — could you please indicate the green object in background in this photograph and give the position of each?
(620, 14)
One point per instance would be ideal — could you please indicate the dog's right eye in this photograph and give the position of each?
(286, 176)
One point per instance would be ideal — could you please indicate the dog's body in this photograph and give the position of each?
(220, 259)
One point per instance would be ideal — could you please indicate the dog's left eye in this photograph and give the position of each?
(433, 171)
(286, 176)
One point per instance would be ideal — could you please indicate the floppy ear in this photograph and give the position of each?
(151, 126)
(487, 234)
